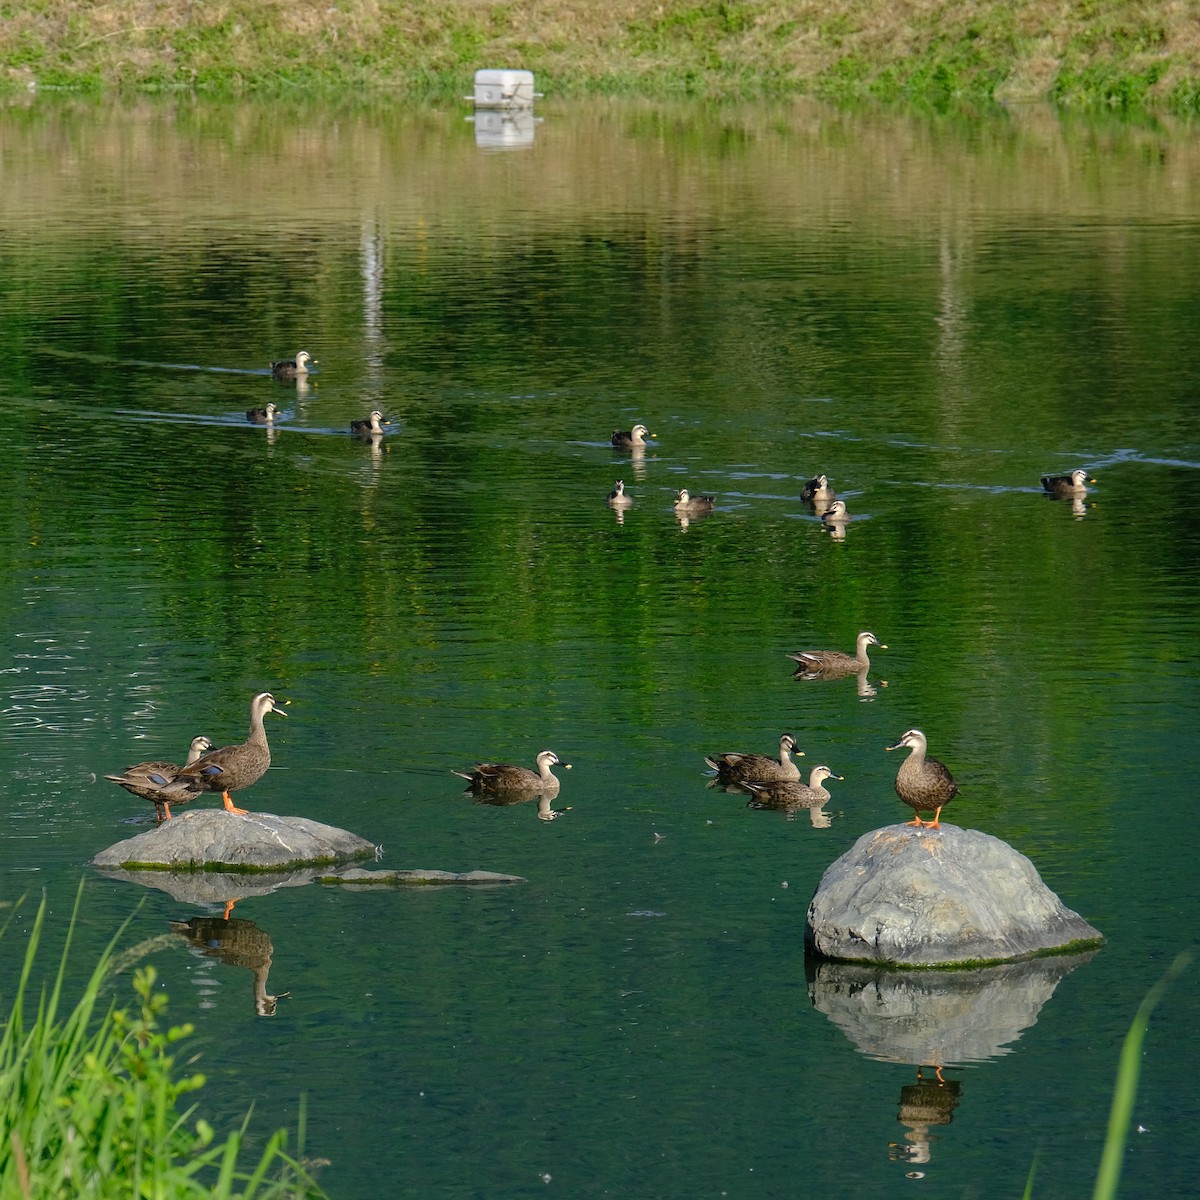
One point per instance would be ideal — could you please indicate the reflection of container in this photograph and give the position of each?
(504, 130)
(503, 89)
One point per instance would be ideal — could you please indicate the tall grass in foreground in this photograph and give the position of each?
(89, 1105)
(1121, 1112)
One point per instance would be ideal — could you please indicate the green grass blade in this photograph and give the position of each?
(1121, 1113)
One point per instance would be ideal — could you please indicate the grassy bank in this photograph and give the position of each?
(91, 1100)
(1111, 53)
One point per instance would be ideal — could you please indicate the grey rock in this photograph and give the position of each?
(936, 1017)
(921, 897)
(213, 839)
(357, 876)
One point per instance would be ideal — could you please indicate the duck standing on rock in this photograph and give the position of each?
(496, 778)
(293, 368)
(148, 779)
(923, 783)
(231, 768)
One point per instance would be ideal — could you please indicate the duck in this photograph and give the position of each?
(293, 368)
(761, 768)
(687, 503)
(788, 794)
(923, 783)
(1074, 484)
(617, 497)
(626, 439)
(147, 779)
(833, 664)
(817, 492)
(504, 777)
(231, 768)
(262, 416)
(369, 426)
(836, 513)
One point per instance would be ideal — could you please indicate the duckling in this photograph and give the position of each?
(369, 426)
(738, 768)
(149, 778)
(923, 783)
(231, 768)
(291, 368)
(504, 777)
(262, 416)
(617, 497)
(1074, 484)
(693, 505)
(833, 664)
(789, 795)
(626, 439)
(817, 492)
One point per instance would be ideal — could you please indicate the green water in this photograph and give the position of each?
(934, 314)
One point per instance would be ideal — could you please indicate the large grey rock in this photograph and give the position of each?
(212, 840)
(921, 897)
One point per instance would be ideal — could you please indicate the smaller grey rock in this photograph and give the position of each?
(213, 839)
(419, 877)
(920, 897)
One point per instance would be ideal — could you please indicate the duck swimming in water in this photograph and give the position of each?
(292, 368)
(504, 777)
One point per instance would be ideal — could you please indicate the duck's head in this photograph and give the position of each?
(821, 773)
(303, 358)
(914, 739)
(264, 703)
(869, 639)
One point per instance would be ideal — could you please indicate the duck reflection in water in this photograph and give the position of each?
(924, 1104)
(239, 943)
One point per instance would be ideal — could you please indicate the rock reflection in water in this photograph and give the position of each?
(942, 1017)
(238, 943)
(931, 1020)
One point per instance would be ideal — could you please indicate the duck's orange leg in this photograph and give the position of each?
(916, 820)
(230, 806)
(937, 812)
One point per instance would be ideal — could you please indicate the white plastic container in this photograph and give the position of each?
(503, 89)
